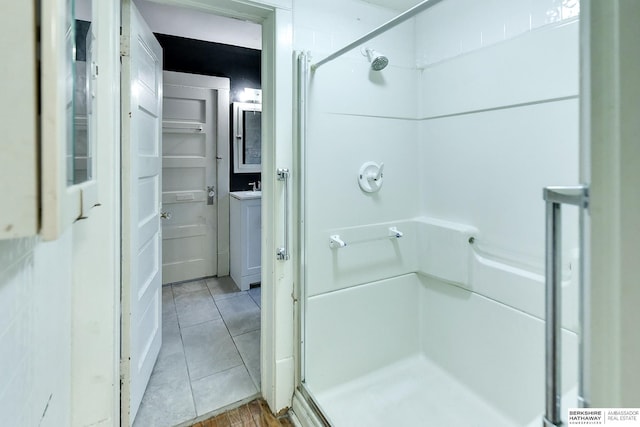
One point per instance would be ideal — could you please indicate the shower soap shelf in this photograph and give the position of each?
(336, 242)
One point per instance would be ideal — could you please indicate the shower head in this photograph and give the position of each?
(378, 60)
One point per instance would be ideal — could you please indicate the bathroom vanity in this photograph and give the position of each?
(245, 241)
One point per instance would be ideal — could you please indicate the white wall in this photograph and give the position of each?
(35, 331)
(55, 374)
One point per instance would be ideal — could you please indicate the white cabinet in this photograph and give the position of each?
(245, 240)
(18, 126)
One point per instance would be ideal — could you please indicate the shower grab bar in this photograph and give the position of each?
(282, 254)
(554, 198)
(336, 242)
(408, 14)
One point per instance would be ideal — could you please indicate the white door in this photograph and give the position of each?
(141, 88)
(189, 207)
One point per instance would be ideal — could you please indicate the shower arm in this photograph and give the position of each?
(408, 14)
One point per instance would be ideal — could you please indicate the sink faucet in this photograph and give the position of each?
(254, 187)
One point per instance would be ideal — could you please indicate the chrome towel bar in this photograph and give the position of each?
(336, 242)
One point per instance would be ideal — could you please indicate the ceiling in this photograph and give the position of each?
(193, 24)
(166, 19)
(399, 5)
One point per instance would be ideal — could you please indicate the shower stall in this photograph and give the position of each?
(424, 153)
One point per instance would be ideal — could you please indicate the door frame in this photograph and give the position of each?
(610, 89)
(221, 86)
(277, 318)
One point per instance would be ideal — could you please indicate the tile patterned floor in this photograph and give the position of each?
(210, 352)
(253, 414)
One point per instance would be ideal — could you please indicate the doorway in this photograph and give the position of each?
(210, 353)
(277, 350)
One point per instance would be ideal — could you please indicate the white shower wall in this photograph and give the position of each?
(456, 27)
(498, 121)
(496, 126)
(356, 116)
(476, 113)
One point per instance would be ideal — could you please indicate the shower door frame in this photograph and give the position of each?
(304, 404)
(277, 364)
(609, 110)
(603, 70)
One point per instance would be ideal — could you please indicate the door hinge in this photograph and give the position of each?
(125, 48)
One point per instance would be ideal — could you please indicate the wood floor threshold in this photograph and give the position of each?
(253, 414)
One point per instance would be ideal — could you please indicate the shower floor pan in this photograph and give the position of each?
(411, 392)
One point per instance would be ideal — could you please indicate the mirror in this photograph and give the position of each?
(69, 96)
(247, 131)
(84, 94)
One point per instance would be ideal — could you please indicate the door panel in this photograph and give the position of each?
(141, 232)
(184, 145)
(188, 110)
(189, 168)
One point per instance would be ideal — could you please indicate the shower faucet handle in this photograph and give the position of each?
(370, 176)
(377, 176)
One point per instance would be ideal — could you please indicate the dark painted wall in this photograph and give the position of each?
(241, 65)
(82, 29)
